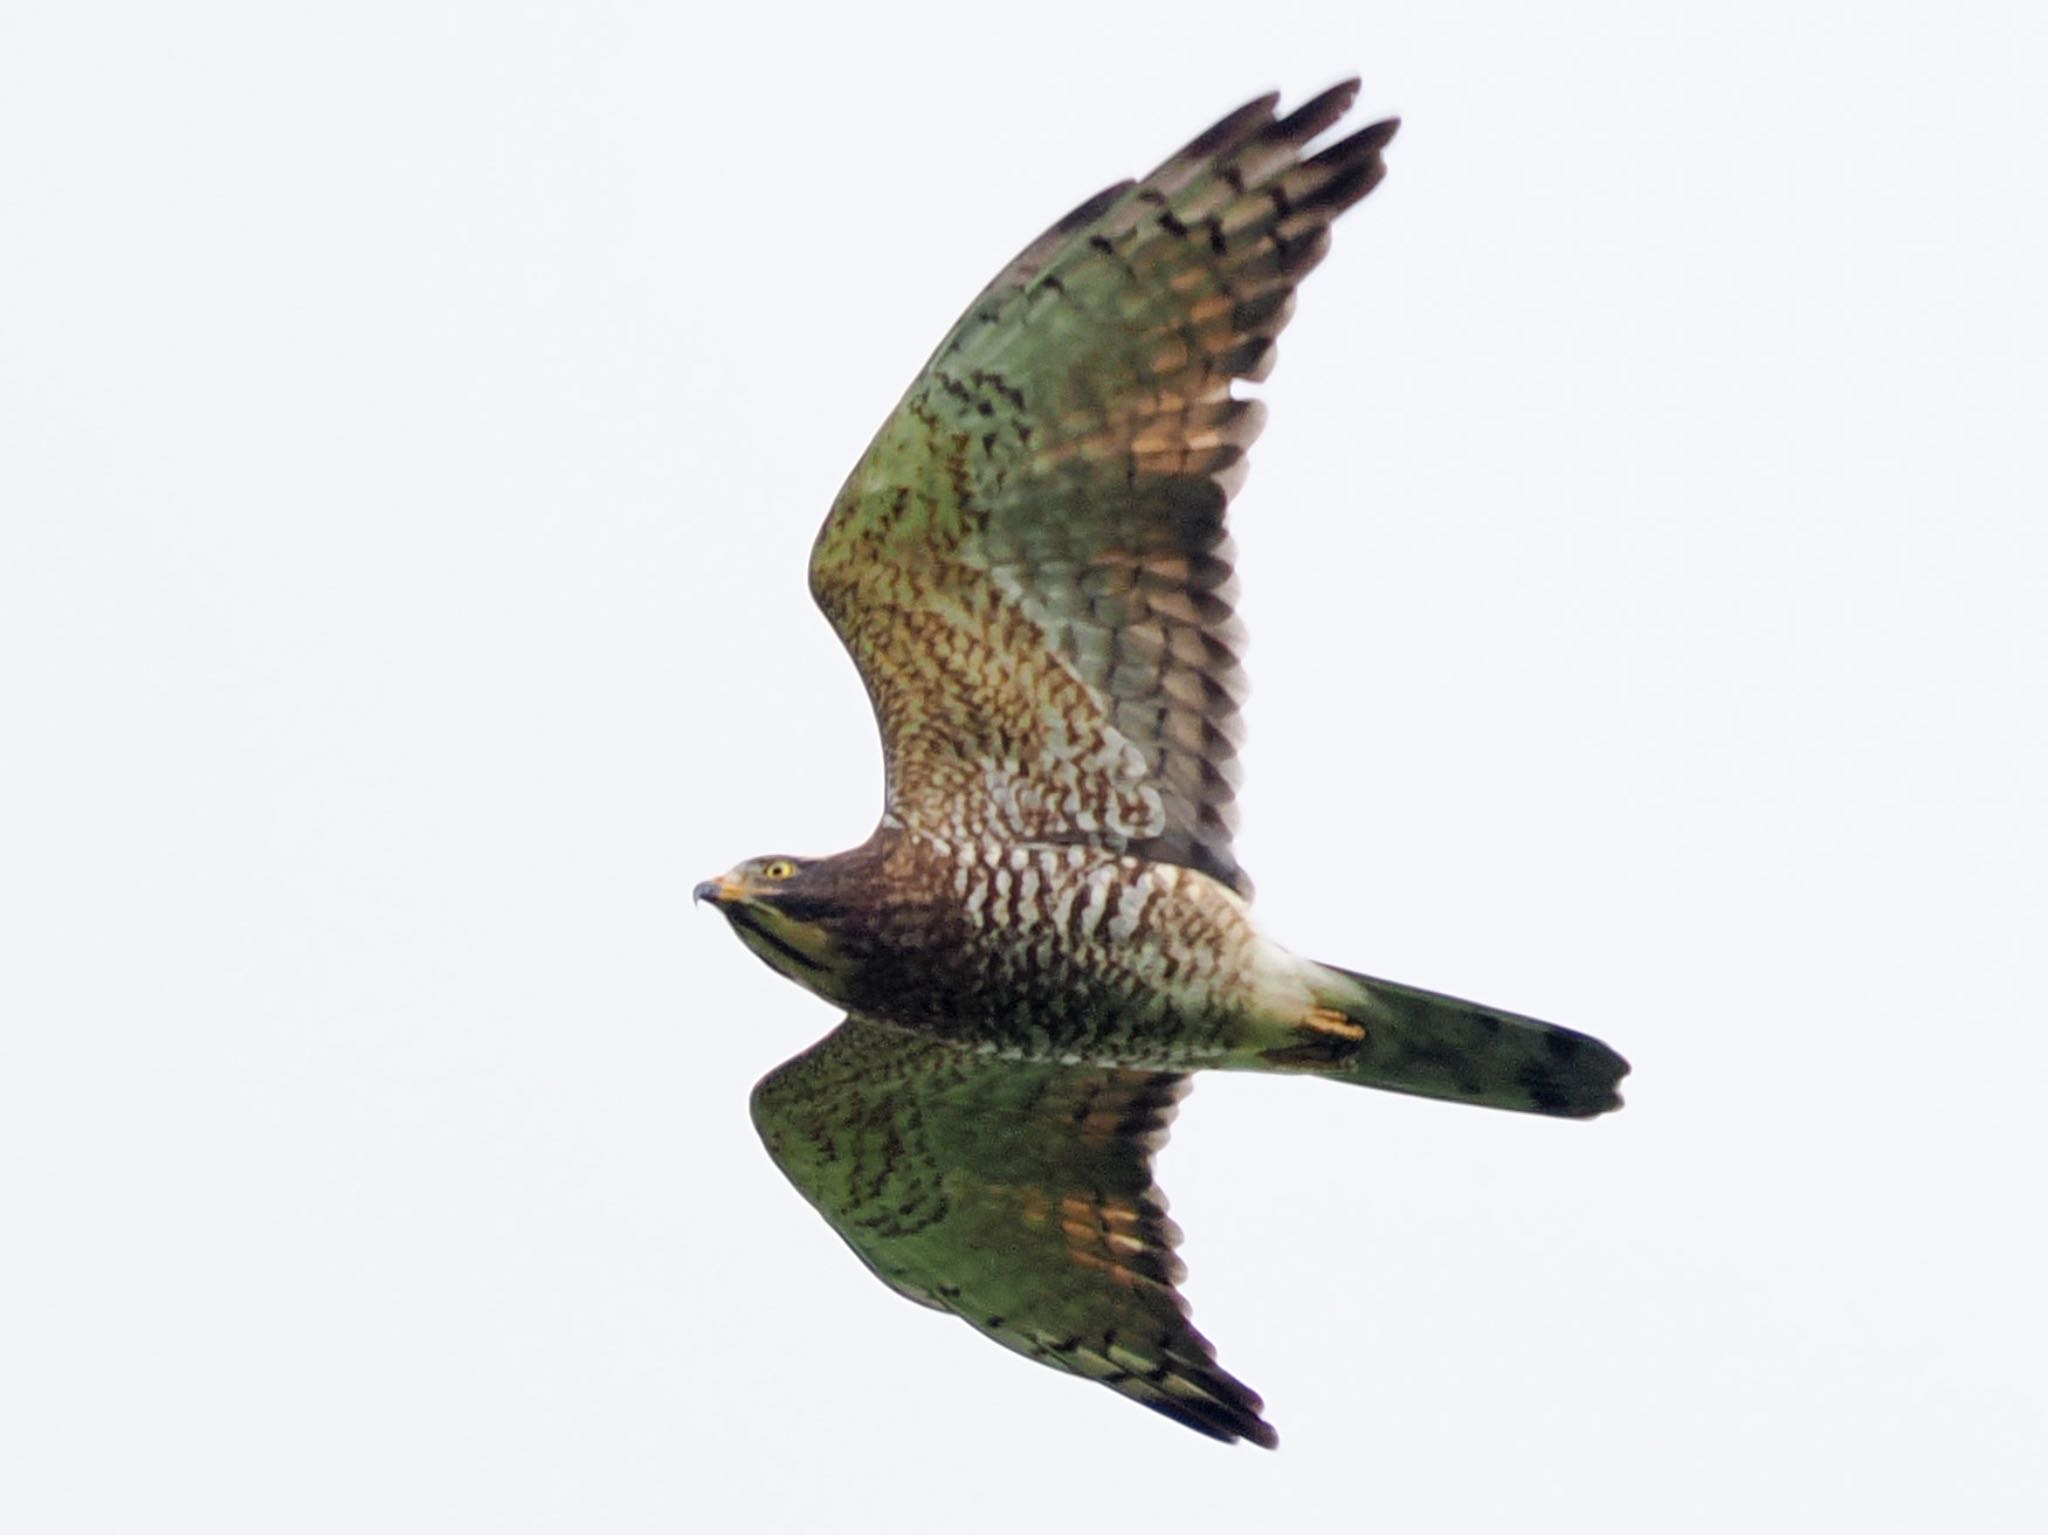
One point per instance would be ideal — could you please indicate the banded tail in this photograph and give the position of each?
(1382, 1034)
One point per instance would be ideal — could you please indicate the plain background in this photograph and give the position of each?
(413, 421)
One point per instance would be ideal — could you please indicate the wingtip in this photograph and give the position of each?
(1230, 129)
(1362, 147)
(1227, 1421)
(1319, 111)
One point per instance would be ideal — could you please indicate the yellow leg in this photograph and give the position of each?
(1327, 1020)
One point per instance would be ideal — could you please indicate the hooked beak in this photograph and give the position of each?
(712, 890)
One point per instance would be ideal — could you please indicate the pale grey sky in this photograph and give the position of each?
(413, 421)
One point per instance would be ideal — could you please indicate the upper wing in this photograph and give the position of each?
(1029, 563)
(1017, 1195)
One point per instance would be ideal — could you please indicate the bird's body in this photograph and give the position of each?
(1046, 951)
(1049, 929)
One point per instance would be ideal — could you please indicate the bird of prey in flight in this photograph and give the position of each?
(1047, 931)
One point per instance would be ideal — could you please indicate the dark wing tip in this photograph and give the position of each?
(1229, 131)
(1365, 144)
(1353, 164)
(1228, 1412)
(1318, 112)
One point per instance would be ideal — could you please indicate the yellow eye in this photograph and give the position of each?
(777, 868)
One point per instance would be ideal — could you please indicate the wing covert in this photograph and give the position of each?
(1030, 565)
(1016, 1195)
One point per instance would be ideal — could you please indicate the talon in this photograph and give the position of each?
(1327, 1020)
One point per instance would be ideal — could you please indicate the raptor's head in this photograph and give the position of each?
(787, 911)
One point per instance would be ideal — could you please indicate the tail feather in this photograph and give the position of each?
(1406, 1040)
